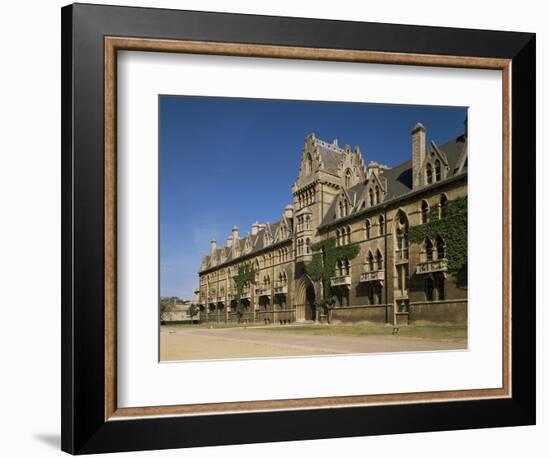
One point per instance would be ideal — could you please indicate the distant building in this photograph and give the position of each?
(178, 311)
(391, 280)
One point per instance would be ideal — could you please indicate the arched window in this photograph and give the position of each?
(437, 170)
(428, 250)
(370, 262)
(429, 174)
(381, 224)
(338, 241)
(341, 208)
(308, 222)
(308, 246)
(442, 206)
(429, 289)
(425, 209)
(379, 260)
(348, 178)
(309, 164)
(401, 237)
(367, 229)
(440, 247)
(371, 198)
(377, 195)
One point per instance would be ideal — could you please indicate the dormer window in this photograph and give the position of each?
(429, 174)
(377, 195)
(348, 178)
(371, 198)
(437, 170)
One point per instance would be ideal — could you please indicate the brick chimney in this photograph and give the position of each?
(418, 136)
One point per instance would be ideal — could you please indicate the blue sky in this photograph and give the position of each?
(232, 161)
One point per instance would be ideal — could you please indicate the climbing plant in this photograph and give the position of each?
(452, 228)
(323, 264)
(245, 274)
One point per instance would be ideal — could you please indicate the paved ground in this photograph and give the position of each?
(200, 343)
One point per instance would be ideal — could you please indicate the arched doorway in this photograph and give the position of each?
(310, 303)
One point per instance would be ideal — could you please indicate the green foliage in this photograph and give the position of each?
(245, 274)
(192, 311)
(323, 264)
(453, 228)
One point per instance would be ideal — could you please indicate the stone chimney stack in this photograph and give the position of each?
(235, 233)
(373, 168)
(289, 211)
(255, 228)
(418, 135)
(229, 241)
(212, 246)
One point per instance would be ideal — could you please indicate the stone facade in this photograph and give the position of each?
(391, 280)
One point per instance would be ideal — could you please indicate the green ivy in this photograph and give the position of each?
(245, 274)
(323, 264)
(453, 229)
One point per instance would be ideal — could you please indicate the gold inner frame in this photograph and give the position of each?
(114, 44)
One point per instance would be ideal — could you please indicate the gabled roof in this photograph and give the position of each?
(398, 180)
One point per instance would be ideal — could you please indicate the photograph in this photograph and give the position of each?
(292, 228)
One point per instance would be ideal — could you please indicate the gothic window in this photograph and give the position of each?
(348, 178)
(308, 246)
(381, 224)
(338, 241)
(401, 237)
(443, 206)
(308, 222)
(429, 174)
(437, 170)
(371, 198)
(440, 287)
(309, 164)
(428, 250)
(370, 262)
(440, 247)
(377, 195)
(367, 229)
(429, 289)
(425, 209)
(379, 260)
(341, 207)
(344, 267)
(345, 208)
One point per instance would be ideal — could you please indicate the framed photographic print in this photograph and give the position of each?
(281, 228)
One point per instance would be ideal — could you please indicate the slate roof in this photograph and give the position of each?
(257, 242)
(399, 178)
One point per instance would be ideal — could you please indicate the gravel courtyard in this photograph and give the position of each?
(195, 343)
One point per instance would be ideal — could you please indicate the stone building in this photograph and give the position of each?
(336, 195)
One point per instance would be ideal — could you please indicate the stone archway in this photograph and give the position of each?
(306, 308)
(310, 307)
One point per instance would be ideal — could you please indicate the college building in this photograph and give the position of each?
(367, 221)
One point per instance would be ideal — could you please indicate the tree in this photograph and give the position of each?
(166, 306)
(192, 311)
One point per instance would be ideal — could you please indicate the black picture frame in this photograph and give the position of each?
(84, 428)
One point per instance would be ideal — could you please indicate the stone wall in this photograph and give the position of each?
(450, 311)
(382, 313)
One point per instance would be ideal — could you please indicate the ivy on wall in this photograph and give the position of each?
(323, 264)
(245, 274)
(453, 229)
